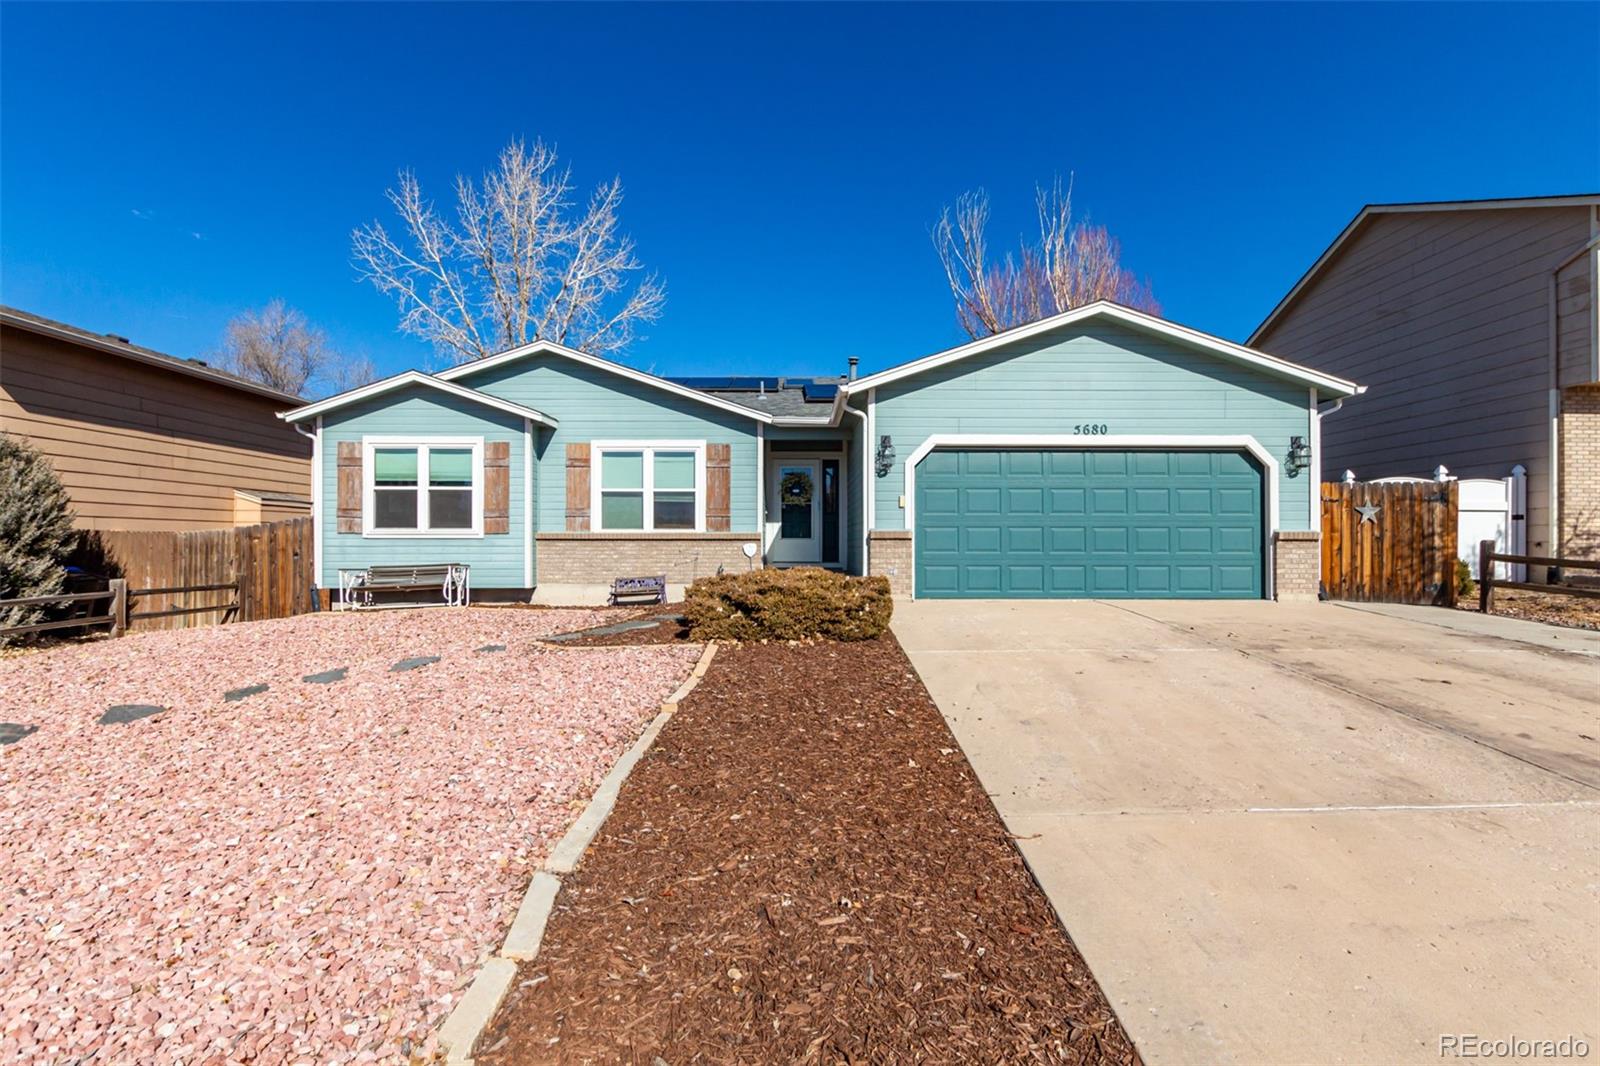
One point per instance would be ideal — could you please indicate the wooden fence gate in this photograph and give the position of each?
(1390, 542)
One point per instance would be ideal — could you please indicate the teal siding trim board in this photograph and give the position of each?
(497, 559)
(1096, 374)
(594, 404)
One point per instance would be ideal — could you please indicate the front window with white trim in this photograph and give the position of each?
(649, 486)
(424, 487)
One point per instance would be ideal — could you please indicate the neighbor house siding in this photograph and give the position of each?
(142, 448)
(594, 404)
(496, 558)
(1132, 383)
(1445, 316)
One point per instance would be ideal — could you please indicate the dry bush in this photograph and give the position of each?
(798, 604)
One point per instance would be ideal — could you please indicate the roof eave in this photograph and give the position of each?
(1136, 319)
(416, 377)
(552, 348)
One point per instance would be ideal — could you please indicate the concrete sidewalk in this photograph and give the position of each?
(1288, 833)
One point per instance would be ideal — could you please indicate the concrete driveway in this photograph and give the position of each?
(1285, 834)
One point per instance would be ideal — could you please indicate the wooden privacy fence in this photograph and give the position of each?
(199, 577)
(1390, 542)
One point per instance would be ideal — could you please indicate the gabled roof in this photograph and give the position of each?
(1103, 309)
(405, 380)
(1371, 210)
(552, 348)
(119, 346)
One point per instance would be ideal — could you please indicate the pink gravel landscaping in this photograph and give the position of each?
(311, 873)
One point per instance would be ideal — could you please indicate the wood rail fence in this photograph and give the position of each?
(173, 580)
(1487, 582)
(199, 577)
(1390, 542)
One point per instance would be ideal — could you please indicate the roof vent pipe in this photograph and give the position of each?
(854, 362)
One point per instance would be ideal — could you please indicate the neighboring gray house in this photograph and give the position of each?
(1473, 325)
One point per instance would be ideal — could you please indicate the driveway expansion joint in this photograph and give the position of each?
(460, 1031)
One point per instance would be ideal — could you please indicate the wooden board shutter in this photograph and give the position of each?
(349, 506)
(497, 486)
(719, 510)
(578, 488)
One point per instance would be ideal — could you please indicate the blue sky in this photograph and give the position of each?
(164, 167)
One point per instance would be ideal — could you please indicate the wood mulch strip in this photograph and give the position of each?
(804, 868)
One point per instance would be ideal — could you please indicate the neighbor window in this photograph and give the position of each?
(649, 486)
(423, 488)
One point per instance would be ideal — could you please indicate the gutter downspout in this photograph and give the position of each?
(866, 474)
(1554, 384)
(315, 437)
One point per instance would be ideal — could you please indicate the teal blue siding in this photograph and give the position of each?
(593, 404)
(496, 559)
(1101, 374)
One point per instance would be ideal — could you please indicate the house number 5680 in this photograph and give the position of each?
(1092, 429)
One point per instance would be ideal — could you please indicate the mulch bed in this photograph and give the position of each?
(804, 868)
(1577, 612)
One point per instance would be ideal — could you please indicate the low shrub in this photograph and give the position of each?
(798, 604)
(1465, 586)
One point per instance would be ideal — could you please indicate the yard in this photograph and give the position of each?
(289, 840)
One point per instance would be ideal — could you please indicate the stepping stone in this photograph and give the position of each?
(492, 647)
(413, 663)
(123, 713)
(240, 693)
(616, 627)
(327, 677)
(11, 732)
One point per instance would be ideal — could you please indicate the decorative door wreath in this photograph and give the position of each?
(795, 489)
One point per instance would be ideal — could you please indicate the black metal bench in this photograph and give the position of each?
(639, 590)
(453, 580)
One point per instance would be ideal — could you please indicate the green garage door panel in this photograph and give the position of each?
(1106, 524)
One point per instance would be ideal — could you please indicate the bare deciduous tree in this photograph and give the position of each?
(278, 347)
(275, 346)
(1071, 265)
(516, 264)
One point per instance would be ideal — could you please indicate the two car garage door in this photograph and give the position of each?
(996, 523)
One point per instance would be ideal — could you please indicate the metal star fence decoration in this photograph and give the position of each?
(1369, 513)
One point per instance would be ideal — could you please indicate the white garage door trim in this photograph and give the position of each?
(1111, 442)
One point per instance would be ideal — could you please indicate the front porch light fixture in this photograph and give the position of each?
(884, 461)
(1299, 456)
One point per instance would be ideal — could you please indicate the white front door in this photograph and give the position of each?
(795, 493)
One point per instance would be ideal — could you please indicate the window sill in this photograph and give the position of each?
(639, 534)
(405, 534)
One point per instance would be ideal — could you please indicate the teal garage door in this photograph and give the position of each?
(1108, 524)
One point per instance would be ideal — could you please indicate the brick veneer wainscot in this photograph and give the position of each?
(596, 558)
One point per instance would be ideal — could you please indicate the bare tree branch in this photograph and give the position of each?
(278, 347)
(515, 266)
(1071, 265)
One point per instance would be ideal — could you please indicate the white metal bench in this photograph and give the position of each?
(358, 586)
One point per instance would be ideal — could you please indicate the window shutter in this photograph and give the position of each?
(578, 488)
(497, 486)
(719, 511)
(348, 512)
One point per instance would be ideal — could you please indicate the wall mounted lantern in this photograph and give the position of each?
(884, 461)
(1299, 456)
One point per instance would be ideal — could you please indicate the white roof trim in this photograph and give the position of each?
(552, 348)
(1127, 316)
(407, 379)
(1580, 200)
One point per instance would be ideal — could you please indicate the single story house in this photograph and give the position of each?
(1098, 453)
(142, 440)
(1476, 325)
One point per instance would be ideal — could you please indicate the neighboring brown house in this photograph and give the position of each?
(143, 440)
(1473, 324)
